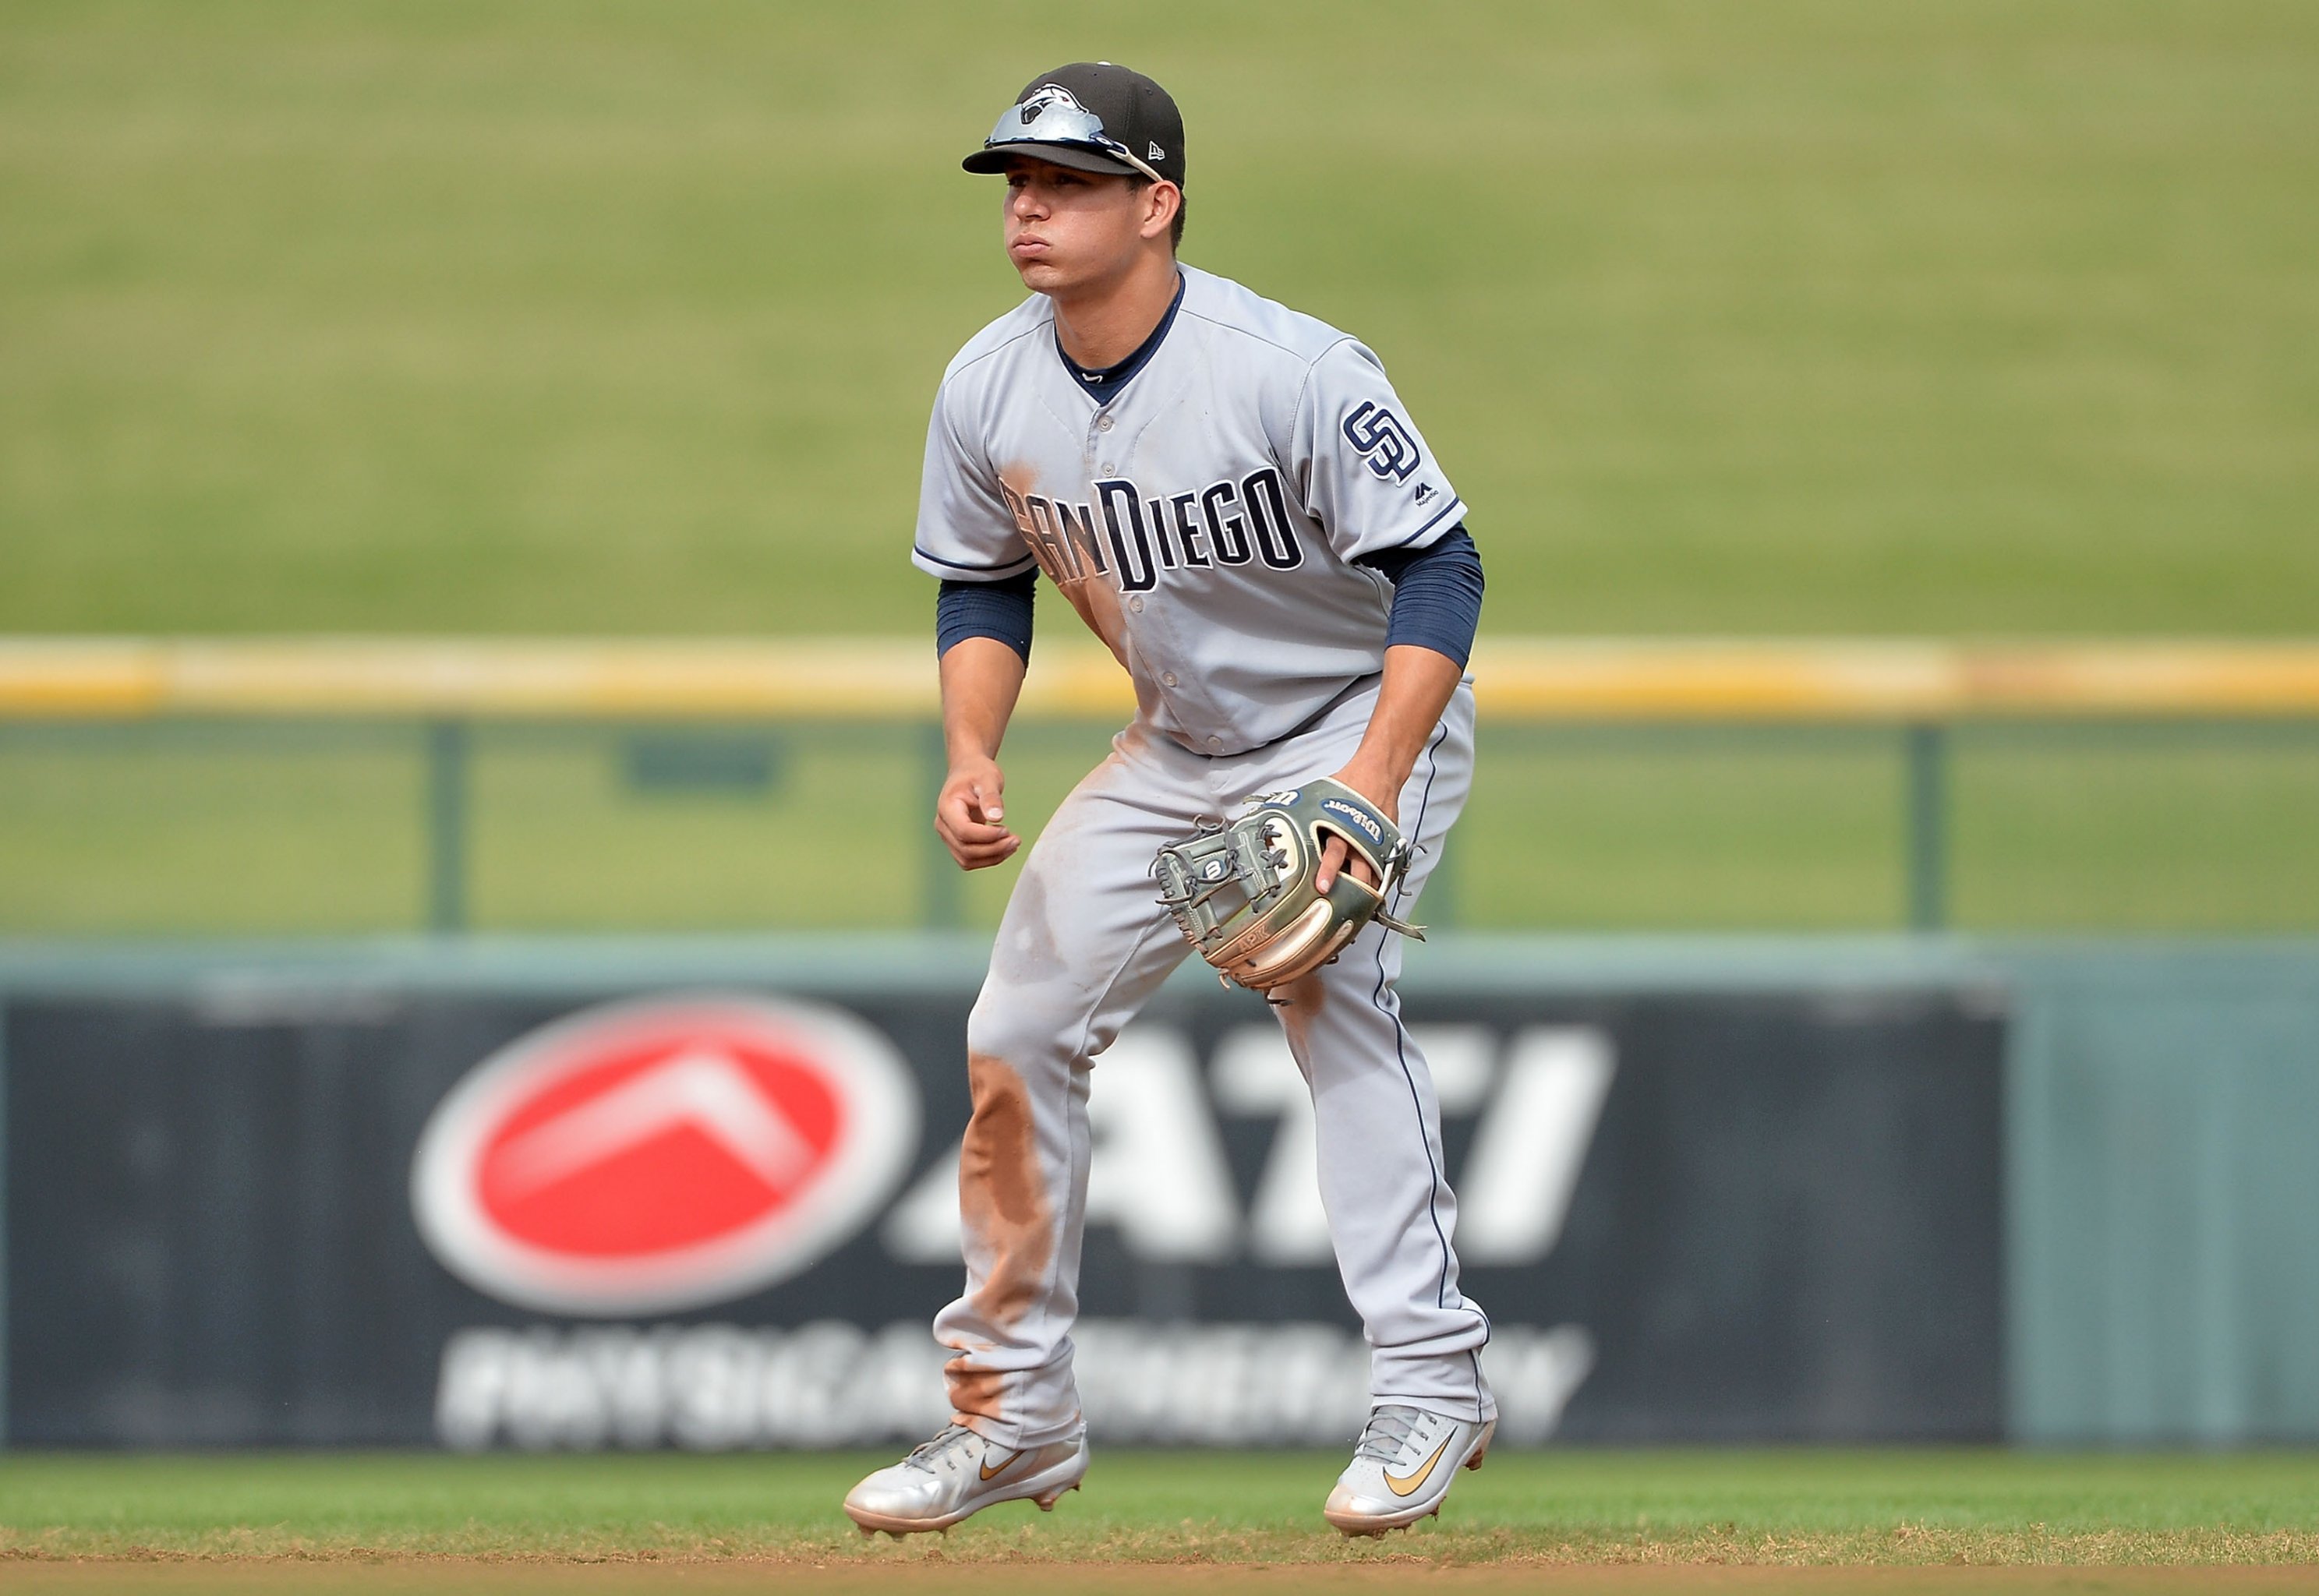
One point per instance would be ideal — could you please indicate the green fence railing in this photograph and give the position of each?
(163, 790)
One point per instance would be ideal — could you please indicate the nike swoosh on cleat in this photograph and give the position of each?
(1408, 1484)
(990, 1473)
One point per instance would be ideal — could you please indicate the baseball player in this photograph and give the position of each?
(1233, 498)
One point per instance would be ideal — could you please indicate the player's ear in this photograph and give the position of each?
(1161, 201)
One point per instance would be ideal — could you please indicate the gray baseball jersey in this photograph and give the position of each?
(1204, 521)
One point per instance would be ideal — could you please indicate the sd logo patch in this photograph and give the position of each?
(1378, 435)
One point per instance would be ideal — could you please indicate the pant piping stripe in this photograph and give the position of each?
(1399, 1040)
(1400, 1053)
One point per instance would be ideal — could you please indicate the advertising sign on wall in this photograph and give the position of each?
(723, 1219)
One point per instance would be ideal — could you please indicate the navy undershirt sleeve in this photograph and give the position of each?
(1437, 601)
(1437, 594)
(1000, 609)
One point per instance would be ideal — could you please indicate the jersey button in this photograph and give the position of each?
(1166, 679)
(1136, 604)
(1109, 469)
(1103, 423)
(1215, 742)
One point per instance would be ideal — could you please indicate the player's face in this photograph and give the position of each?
(1068, 230)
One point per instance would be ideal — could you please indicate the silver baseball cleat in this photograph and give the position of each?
(1402, 1468)
(957, 1474)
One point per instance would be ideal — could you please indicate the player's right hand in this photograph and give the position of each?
(970, 815)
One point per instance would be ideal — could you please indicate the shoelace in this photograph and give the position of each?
(930, 1451)
(1389, 1429)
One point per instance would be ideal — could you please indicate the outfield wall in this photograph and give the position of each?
(1904, 1189)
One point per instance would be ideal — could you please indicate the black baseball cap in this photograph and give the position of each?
(1094, 117)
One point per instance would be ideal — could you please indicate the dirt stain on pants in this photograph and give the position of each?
(1003, 1208)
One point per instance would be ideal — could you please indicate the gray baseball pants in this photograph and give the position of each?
(1082, 946)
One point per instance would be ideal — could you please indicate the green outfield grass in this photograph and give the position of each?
(622, 317)
(617, 316)
(1582, 1507)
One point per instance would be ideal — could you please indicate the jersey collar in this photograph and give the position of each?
(1101, 385)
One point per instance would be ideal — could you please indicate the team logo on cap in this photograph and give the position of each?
(666, 1154)
(1045, 96)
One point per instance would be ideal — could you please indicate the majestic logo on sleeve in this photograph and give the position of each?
(1229, 522)
(1379, 435)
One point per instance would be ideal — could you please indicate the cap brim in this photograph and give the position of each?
(993, 158)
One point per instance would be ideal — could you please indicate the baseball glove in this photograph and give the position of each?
(1242, 893)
